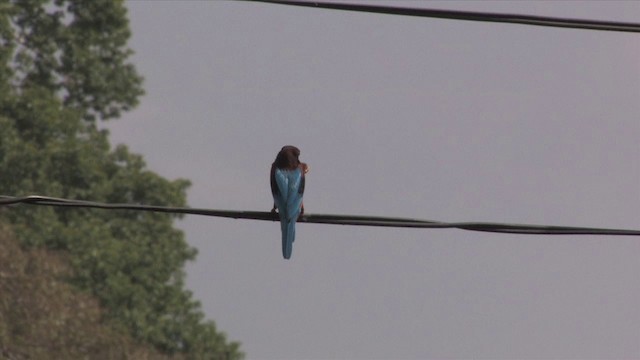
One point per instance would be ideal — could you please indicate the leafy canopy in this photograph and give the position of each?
(63, 68)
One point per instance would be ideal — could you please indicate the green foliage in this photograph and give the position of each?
(43, 317)
(64, 66)
(77, 49)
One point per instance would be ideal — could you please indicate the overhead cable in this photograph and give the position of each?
(469, 15)
(327, 218)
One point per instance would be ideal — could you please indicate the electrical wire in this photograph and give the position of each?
(327, 218)
(469, 15)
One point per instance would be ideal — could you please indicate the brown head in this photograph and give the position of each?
(287, 158)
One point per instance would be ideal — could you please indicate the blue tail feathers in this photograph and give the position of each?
(289, 202)
(288, 236)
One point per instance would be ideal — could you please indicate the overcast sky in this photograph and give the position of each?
(400, 116)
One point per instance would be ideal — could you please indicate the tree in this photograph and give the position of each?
(43, 317)
(63, 68)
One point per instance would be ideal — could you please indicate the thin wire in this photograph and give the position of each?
(469, 15)
(327, 218)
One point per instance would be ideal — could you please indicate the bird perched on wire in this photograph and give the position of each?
(287, 188)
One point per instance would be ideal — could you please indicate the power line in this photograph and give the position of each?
(469, 15)
(327, 218)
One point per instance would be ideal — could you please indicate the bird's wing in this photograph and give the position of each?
(290, 188)
(274, 184)
(296, 190)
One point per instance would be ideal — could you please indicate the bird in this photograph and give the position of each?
(287, 187)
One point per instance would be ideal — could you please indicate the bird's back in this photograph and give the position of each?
(290, 188)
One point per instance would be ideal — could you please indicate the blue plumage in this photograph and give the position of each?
(289, 202)
(287, 187)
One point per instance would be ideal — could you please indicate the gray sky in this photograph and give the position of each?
(399, 116)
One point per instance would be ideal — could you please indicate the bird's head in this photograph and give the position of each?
(288, 158)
